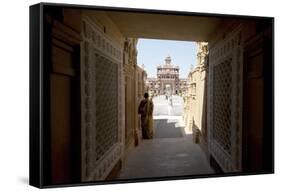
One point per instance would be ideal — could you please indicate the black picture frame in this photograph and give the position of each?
(39, 133)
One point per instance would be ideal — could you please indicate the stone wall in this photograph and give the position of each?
(102, 131)
(130, 71)
(110, 96)
(225, 97)
(141, 89)
(194, 100)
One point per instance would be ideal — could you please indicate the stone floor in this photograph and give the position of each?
(171, 152)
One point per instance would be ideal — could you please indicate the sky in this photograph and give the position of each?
(153, 52)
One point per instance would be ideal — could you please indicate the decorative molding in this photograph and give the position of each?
(98, 49)
(229, 48)
(87, 111)
(101, 42)
(107, 162)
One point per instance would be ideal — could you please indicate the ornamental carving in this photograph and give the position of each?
(101, 68)
(225, 101)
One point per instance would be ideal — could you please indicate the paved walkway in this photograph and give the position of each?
(172, 107)
(170, 153)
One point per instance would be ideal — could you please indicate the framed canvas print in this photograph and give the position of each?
(130, 95)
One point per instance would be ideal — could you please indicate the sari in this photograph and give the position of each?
(149, 119)
(146, 111)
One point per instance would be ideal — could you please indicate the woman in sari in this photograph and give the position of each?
(146, 111)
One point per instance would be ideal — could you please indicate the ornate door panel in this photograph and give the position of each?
(101, 103)
(225, 101)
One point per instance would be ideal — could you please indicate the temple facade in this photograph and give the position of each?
(167, 80)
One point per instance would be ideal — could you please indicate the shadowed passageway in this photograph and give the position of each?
(98, 69)
(167, 128)
(170, 153)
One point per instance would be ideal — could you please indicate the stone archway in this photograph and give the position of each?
(168, 88)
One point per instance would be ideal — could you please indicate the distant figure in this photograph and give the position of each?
(171, 101)
(146, 110)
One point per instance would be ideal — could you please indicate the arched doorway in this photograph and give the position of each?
(168, 89)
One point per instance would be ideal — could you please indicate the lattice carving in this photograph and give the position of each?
(225, 101)
(106, 104)
(222, 105)
(101, 72)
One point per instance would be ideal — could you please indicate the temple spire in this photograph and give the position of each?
(168, 60)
